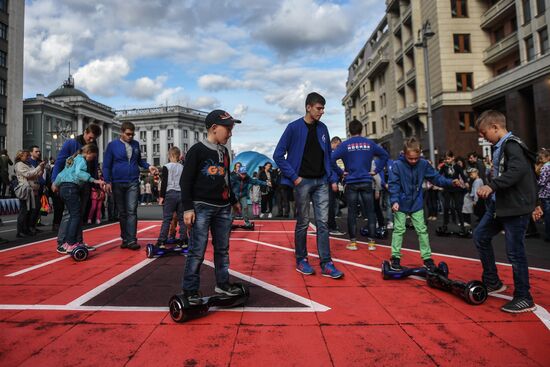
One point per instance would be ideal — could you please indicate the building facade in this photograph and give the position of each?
(160, 128)
(12, 17)
(483, 54)
(49, 121)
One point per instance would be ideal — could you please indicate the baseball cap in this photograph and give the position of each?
(242, 169)
(220, 117)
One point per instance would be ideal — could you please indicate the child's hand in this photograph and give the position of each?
(484, 191)
(395, 207)
(161, 201)
(189, 218)
(457, 183)
(537, 213)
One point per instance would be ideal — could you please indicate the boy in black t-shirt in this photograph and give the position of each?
(207, 200)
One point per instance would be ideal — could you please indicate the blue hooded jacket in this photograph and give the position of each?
(357, 153)
(69, 148)
(405, 183)
(116, 165)
(292, 143)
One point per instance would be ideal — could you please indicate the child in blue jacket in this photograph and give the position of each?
(69, 181)
(405, 185)
(241, 183)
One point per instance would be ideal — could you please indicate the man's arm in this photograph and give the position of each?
(382, 158)
(108, 163)
(163, 182)
(279, 155)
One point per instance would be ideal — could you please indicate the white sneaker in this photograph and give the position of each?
(270, 215)
(467, 224)
(390, 225)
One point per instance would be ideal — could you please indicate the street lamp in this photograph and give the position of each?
(424, 35)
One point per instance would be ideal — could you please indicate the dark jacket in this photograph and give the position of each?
(516, 183)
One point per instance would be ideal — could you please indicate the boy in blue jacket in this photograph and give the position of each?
(405, 186)
(240, 185)
(357, 153)
(303, 155)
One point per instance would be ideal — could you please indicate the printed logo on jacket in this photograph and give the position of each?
(358, 146)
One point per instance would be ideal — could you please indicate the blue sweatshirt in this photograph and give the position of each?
(357, 153)
(241, 185)
(292, 144)
(76, 173)
(405, 183)
(69, 148)
(117, 168)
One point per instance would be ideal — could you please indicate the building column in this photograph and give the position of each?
(101, 141)
(178, 138)
(149, 145)
(163, 146)
(80, 125)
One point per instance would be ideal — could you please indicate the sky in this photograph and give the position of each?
(256, 59)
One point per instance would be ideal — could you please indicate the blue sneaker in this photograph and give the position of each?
(329, 270)
(303, 267)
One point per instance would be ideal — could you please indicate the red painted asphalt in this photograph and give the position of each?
(360, 320)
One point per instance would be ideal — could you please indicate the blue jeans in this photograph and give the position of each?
(218, 220)
(546, 209)
(126, 199)
(70, 193)
(514, 228)
(84, 195)
(316, 190)
(172, 203)
(360, 193)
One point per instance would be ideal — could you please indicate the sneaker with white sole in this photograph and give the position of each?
(303, 267)
(496, 288)
(389, 225)
(228, 289)
(519, 305)
(352, 246)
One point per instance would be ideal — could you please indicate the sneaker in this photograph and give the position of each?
(429, 264)
(123, 245)
(303, 267)
(228, 289)
(329, 270)
(61, 249)
(133, 246)
(98, 221)
(466, 224)
(395, 263)
(89, 221)
(496, 288)
(390, 225)
(160, 244)
(193, 297)
(372, 245)
(336, 232)
(352, 246)
(88, 247)
(269, 216)
(69, 248)
(518, 305)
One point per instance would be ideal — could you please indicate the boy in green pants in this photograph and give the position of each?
(405, 186)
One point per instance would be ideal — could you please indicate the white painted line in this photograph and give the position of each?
(67, 256)
(52, 238)
(445, 255)
(9, 221)
(541, 312)
(8, 230)
(94, 292)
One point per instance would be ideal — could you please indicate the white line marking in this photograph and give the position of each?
(67, 256)
(51, 238)
(8, 230)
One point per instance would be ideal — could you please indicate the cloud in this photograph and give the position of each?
(215, 82)
(240, 110)
(103, 77)
(172, 96)
(206, 103)
(147, 88)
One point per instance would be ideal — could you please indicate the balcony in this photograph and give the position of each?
(400, 83)
(408, 44)
(411, 74)
(405, 113)
(378, 64)
(497, 13)
(407, 14)
(501, 49)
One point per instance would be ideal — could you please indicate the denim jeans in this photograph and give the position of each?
(70, 193)
(546, 209)
(316, 190)
(126, 198)
(84, 195)
(514, 228)
(218, 220)
(360, 193)
(172, 203)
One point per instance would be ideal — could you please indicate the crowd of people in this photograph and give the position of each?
(316, 178)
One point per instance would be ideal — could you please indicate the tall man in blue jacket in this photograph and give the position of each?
(70, 147)
(306, 144)
(121, 162)
(357, 154)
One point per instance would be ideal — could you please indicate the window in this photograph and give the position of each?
(2, 115)
(498, 33)
(185, 147)
(170, 145)
(28, 126)
(156, 134)
(185, 134)
(502, 70)
(156, 161)
(143, 148)
(458, 9)
(514, 24)
(461, 43)
(196, 136)
(4, 5)
(170, 133)
(372, 106)
(143, 135)
(464, 82)
(3, 31)
(2, 142)
(3, 59)
(530, 48)
(204, 136)
(526, 11)
(466, 121)
(374, 127)
(541, 6)
(543, 37)
(156, 148)
(2, 87)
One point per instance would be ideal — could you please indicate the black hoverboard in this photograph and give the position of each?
(181, 310)
(249, 226)
(79, 253)
(442, 232)
(155, 251)
(474, 292)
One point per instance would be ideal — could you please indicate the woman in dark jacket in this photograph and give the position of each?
(266, 175)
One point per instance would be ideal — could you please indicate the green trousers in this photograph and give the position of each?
(399, 219)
